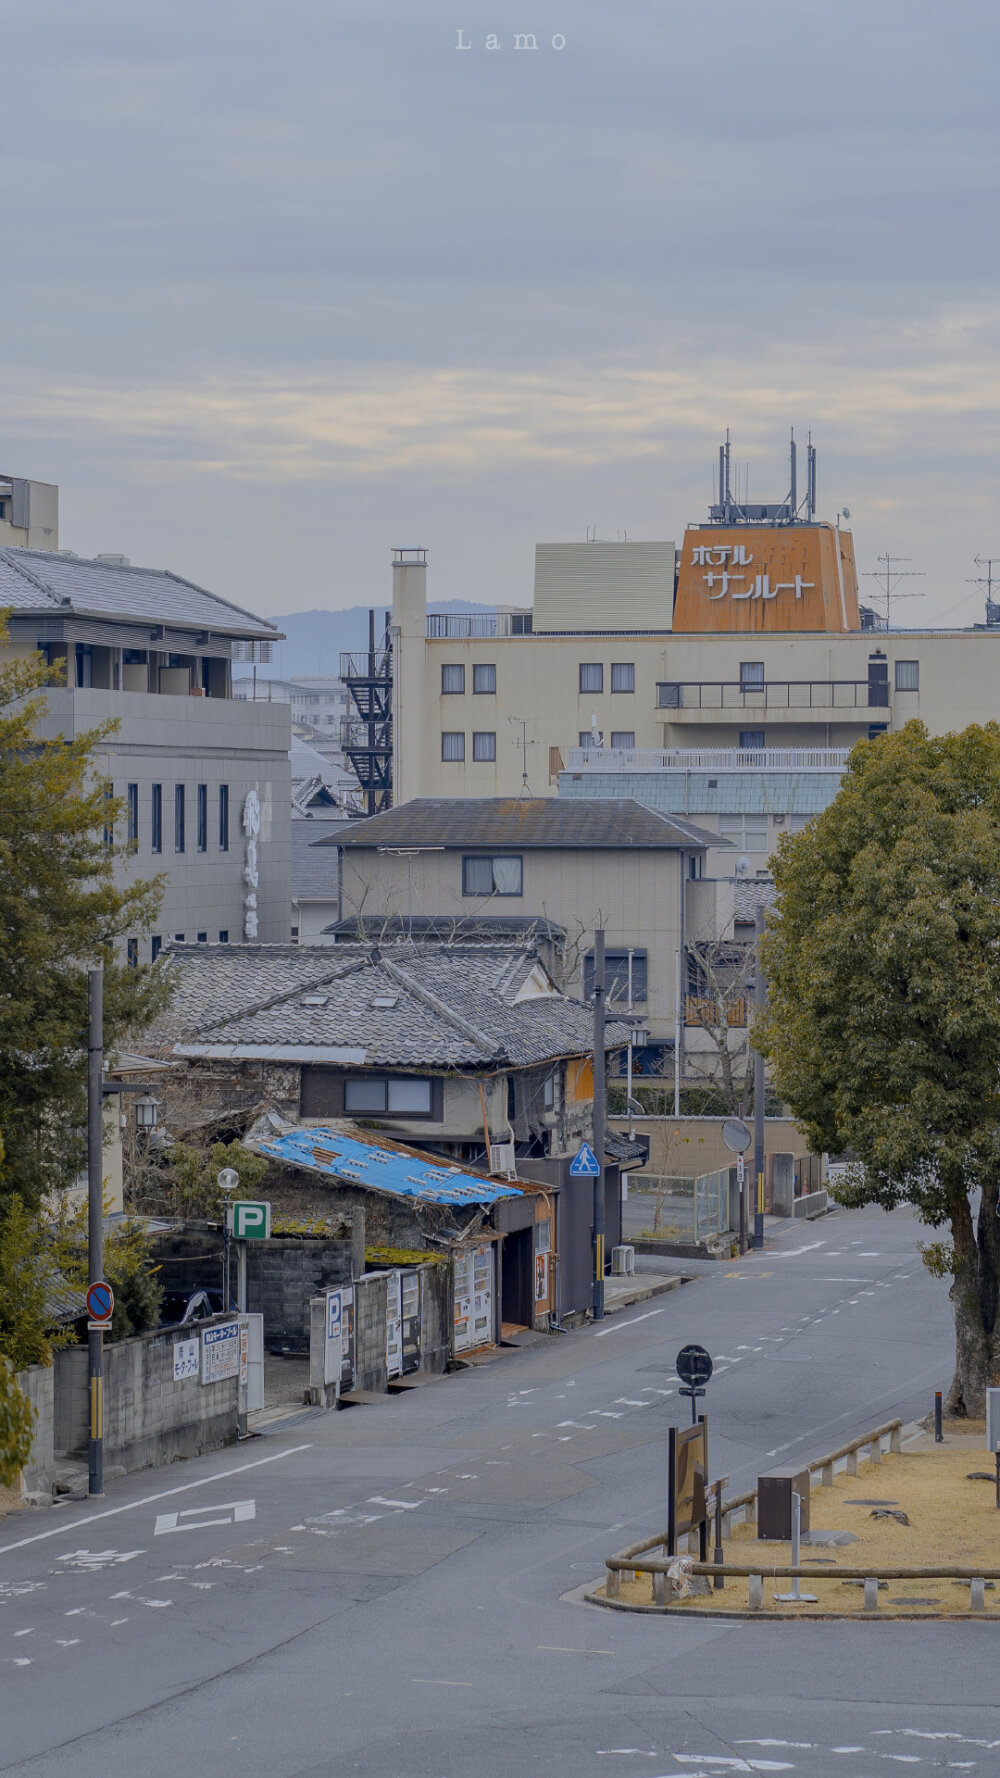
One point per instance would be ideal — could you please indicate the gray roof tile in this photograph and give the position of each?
(525, 823)
(43, 580)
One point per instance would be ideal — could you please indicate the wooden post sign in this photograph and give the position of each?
(687, 1464)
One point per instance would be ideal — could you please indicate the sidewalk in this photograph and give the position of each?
(623, 1293)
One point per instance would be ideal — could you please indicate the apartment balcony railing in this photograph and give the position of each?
(470, 625)
(700, 1009)
(707, 759)
(772, 694)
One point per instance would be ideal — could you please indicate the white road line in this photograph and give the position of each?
(633, 1323)
(793, 1252)
(406, 1505)
(148, 1499)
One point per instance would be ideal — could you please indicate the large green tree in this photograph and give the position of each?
(883, 1027)
(61, 908)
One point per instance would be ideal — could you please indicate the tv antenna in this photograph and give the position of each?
(986, 582)
(889, 577)
(521, 722)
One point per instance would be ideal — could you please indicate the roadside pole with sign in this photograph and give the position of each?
(248, 1222)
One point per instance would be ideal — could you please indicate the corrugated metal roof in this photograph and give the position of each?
(44, 580)
(339, 1156)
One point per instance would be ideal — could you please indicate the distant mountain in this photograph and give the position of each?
(315, 639)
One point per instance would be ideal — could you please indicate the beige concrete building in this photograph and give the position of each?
(29, 513)
(488, 705)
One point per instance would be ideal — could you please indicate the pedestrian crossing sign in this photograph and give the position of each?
(584, 1164)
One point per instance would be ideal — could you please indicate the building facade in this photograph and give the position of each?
(205, 781)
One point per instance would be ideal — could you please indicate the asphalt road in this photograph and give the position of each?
(389, 1590)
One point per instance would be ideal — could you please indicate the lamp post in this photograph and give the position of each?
(228, 1181)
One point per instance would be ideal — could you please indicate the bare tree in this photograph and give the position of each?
(720, 981)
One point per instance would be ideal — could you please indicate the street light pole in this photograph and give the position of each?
(95, 1218)
(600, 1091)
(228, 1181)
(760, 1002)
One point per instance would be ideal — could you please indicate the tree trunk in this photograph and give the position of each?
(974, 1299)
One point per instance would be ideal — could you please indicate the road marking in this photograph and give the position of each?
(235, 1511)
(554, 1648)
(406, 1505)
(465, 1682)
(92, 1560)
(633, 1323)
(810, 1247)
(148, 1499)
(625, 1401)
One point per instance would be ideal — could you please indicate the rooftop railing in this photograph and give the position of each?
(707, 759)
(771, 694)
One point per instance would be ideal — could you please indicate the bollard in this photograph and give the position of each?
(852, 1463)
(977, 1595)
(755, 1591)
(826, 1475)
(938, 1432)
(875, 1450)
(613, 1587)
(871, 1594)
(659, 1589)
(896, 1441)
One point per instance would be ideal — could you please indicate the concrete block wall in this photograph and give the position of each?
(437, 1316)
(369, 1331)
(151, 1419)
(282, 1276)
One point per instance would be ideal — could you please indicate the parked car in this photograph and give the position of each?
(182, 1307)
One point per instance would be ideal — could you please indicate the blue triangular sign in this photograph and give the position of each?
(584, 1164)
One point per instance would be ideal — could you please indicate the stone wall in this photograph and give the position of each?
(282, 1275)
(151, 1419)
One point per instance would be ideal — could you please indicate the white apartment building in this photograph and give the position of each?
(204, 779)
(29, 513)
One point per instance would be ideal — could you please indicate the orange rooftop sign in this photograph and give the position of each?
(754, 579)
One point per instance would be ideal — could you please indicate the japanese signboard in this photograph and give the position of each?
(187, 1357)
(220, 1352)
(756, 578)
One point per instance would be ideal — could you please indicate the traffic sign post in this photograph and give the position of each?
(250, 1222)
(694, 1367)
(584, 1164)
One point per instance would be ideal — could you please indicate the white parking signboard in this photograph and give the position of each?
(334, 1354)
(186, 1359)
(220, 1352)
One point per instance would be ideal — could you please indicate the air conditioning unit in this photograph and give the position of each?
(622, 1262)
(502, 1158)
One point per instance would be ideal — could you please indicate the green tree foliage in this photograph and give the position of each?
(194, 1174)
(27, 1270)
(883, 1025)
(17, 1425)
(60, 908)
(128, 1268)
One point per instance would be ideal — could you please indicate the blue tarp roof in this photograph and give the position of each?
(385, 1169)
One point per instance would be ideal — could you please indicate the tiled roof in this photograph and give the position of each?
(314, 873)
(465, 929)
(40, 580)
(345, 1155)
(526, 823)
(433, 1007)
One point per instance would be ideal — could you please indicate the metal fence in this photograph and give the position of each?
(677, 1208)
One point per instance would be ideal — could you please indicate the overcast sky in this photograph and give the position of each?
(285, 285)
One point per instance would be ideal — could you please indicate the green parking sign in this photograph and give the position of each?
(251, 1222)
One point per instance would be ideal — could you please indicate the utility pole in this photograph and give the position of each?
(95, 1217)
(760, 1002)
(600, 1100)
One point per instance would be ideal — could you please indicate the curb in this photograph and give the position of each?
(591, 1596)
(644, 1294)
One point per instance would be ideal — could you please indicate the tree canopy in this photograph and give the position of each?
(883, 1024)
(61, 909)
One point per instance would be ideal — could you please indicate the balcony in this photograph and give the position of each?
(707, 1011)
(472, 626)
(707, 759)
(774, 700)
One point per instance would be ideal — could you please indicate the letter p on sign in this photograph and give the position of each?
(251, 1222)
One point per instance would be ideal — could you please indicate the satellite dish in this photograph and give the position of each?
(736, 1135)
(846, 511)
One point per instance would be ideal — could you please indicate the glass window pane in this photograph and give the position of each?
(364, 1095)
(623, 675)
(452, 679)
(751, 674)
(907, 675)
(409, 1095)
(484, 677)
(477, 876)
(484, 745)
(453, 744)
(591, 676)
(752, 740)
(755, 833)
(623, 737)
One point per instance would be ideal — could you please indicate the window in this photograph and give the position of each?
(484, 744)
(696, 866)
(132, 952)
(203, 817)
(203, 938)
(616, 978)
(178, 817)
(109, 819)
(452, 680)
(452, 744)
(543, 1235)
(875, 729)
(223, 937)
(797, 822)
(484, 677)
(907, 675)
(669, 697)
(747, 832)
(84, 664)
(623, 737)
(752, 739)
(549, 1092)
(493, 876)
(402, 1096)
(223, 825)
(155, 945)
(178, 938)
(132, 816)
(156, 819)
(623, 675)
(589, 741)
(751, 675)
(591, 676)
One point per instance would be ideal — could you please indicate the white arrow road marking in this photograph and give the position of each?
(234, 1512)
(92, 1560)
(407, 1505)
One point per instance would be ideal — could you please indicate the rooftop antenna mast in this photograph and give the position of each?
(889, 577)
(521, 722)
(987, 582)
